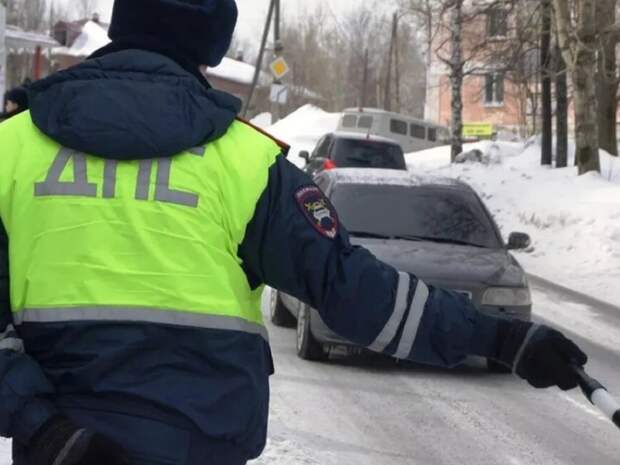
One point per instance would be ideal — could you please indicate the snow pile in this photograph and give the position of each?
(92, 38)
(234, 70)
(303, 128)
(574, 220)
(263, 120)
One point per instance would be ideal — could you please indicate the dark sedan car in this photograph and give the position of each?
(435, 228)
(352, 150)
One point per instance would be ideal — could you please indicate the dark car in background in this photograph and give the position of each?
(436, 228)
(351, 150)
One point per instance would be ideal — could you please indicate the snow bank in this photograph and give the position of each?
(236, 71)
(303, 128)
(574, 220)
(92, 38)
(263, 120)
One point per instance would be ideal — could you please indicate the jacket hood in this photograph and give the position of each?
(129, 105)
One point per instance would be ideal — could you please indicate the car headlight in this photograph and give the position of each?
(507, 297)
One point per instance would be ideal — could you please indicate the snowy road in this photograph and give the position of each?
(368, 411)
(361, 411)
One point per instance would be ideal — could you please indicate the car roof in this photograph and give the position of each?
(373, 176)
(363, 136)
(379, 111)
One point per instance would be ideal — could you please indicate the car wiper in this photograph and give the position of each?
(369, 234)
(442, 240)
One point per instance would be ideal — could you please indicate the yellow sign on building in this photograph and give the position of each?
(478, 130)
(279, 68)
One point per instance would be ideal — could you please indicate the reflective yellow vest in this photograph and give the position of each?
(152, 240)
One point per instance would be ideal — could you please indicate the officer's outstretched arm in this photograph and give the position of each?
(22, 382)
(292, 246)
(295, 244)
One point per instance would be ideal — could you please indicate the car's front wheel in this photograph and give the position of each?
(278, 313)
(308, 348)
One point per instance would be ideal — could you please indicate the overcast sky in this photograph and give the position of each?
(252, 13)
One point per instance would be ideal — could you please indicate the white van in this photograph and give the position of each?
(411, 133)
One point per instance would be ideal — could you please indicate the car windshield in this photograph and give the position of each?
(362, 153)
(415, 213)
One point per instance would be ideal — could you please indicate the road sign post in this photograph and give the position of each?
(279, 68)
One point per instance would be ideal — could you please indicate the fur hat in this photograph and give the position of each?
(201, 30)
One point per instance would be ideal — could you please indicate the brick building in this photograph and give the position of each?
(489, 95)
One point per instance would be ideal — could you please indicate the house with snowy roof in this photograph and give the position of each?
(79, 39)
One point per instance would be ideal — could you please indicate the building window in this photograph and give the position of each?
(417, 131)
(494, 89)
(349, 121)
(398, 127)
(365, 122)
(497, 22)
(432, 134)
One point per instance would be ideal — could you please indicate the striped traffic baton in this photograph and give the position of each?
(598, 395)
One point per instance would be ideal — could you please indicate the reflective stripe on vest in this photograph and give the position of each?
(141, 315)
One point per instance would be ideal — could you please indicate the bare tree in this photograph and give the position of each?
(456, 65)
(577, 36)
(29, 15)
(546, 87)
(462, 45)
(425, 14)
(561, 111)
(606, 75)
(344, 60)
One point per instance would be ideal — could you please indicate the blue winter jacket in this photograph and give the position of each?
(124, 367)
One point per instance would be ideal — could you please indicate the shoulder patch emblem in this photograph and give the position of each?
(318, 210)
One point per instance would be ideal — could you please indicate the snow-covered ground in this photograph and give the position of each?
(574, 220)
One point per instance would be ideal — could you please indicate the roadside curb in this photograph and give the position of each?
(577, 296)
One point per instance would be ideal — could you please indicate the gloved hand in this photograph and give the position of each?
(539, 354)
(61, 442)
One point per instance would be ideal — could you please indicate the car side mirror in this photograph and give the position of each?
(519, 241)
(305, 155)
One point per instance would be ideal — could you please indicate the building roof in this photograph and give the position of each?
(18, 38)
(93, 37)
(236, 71)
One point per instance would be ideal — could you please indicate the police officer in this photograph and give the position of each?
(141, 220)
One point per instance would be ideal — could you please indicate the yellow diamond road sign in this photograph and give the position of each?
(279, 68)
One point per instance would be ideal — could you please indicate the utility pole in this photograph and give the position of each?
(397, 66)
(387, 98)
(261, 53)
(276, 26)
(547, 107)
(278, 48)
(364, 88)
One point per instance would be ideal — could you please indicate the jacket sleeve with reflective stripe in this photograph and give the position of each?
(359, 297)
(22, 382)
